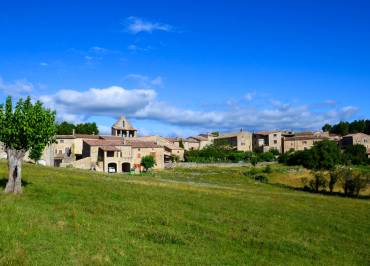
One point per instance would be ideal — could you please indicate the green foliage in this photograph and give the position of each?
(344, 128)
(181, 144)
(36, 153)
(275, 152)
(324, 155)
(356, 154)
(267, 169)
(334, 176)
(318, 182)
(353, 181)
(66, 128)
(147, 162)
(266, 157)
(26, 127)
(218, 153)
(254, 160)
(327, 128)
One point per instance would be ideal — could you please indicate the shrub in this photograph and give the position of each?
(267, 169)
(147, 162)
(334, 176)
(355, 154)
(353, 182)
(318, 182)
(275, 152)
(266, 157)
(324, 155)
(261, 178)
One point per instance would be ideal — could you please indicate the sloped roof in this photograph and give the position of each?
(141, 144)
(104, 142)
(357, 134)
(305, 137)
(123, 123)
(109, 148)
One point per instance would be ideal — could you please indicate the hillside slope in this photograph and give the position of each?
(177, 217)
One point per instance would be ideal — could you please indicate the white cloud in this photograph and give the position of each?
(145, 81)
(113, 101)
(44, 64)
(136, 25)
(16, 88)
(250, 96)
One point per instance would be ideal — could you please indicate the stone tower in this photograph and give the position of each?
(123, 128)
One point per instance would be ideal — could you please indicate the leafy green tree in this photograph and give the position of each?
(181, 144)
(327, 128)
(26, 127)
(353, 181)
(318, 181)
(36, 153)
(147, 162)
(334, 176)
(87, 128)
(65, 128)
(356, 154)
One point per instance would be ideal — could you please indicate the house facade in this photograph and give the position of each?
(357, 138)
(241, 141)
(266, 141)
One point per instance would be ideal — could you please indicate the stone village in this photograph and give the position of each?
(123, 149)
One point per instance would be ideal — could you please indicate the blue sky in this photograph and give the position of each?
(184, 67)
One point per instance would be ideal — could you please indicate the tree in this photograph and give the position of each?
(87, 128)
(26, 127)
(65, 128)
(318, 181)
(36, 153)
(327, 128)
(356, 154)
(334, 176)
(181, 144)
(353, 181)
(147, 162)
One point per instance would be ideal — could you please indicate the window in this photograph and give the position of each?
(304, 142)
(110, 153)
(275, 141)
(275, 135)
(61, 141)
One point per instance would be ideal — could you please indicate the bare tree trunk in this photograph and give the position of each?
(15, 158)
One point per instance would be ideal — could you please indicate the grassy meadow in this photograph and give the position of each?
(207, 216)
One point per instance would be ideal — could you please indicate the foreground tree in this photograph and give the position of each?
(25, 128)
(147, 162)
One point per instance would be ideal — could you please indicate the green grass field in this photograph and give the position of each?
(211, 216)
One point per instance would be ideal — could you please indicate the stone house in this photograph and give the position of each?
(357, 138)
(241, 141)
(266, 141)
(301, 142)
(170, 149)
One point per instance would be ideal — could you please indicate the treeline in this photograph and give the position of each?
(217, 153)
(344, 128)
(330, 165)
(326, 155)
(66, 128)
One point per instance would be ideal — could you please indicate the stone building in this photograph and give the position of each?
(301, 142)
(357, 138)
(123, 128)
(266, 141)
(241, 141)
(170, 149)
